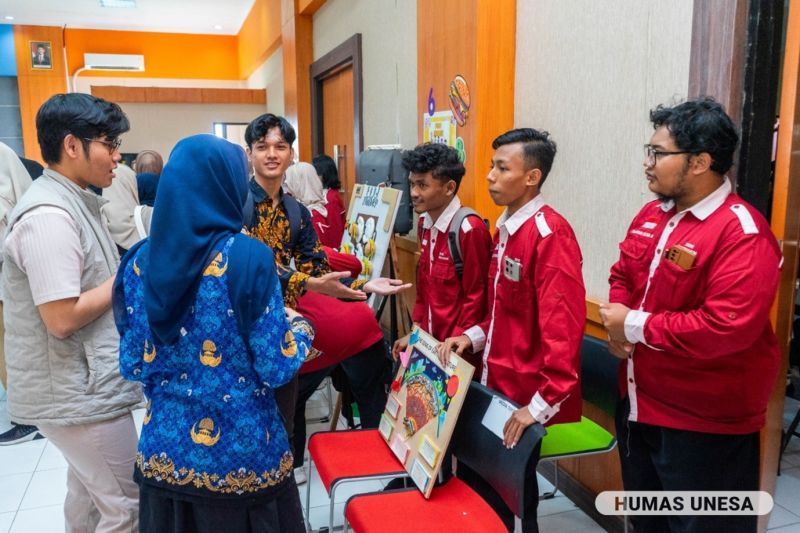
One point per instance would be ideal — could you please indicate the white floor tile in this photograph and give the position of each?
(558, 504)
(21, 458)
(787, 488)
(780, 516)
(5, 521)
(52, 458)
(570, 522)
(12, 489)
(794, 528)
(48, 519)
(319, 516)
(48, 487)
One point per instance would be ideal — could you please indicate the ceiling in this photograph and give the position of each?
(221, 17)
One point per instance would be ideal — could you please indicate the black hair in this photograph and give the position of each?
(700, 125)
(539, 149)
(439, 159)
(259, 127)
(82, 115)
(326, 169)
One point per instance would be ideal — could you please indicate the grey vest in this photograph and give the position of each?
(75, 380)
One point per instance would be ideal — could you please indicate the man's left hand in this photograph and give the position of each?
(386, 286)
(613, 317)
(515, 426)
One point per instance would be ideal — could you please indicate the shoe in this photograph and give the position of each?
(300, 475)
(20, 433)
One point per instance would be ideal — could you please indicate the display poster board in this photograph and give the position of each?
(370, 220)
(422, 408)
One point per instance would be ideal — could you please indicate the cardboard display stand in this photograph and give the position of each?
(370, 220)
(422, 408)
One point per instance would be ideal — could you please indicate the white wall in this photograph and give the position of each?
(589, 72)
(389, 61)
(270, 76)
(159, 126)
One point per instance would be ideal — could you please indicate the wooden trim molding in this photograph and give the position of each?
(178, 95)
(346, 54)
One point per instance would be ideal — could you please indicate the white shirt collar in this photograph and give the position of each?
(703, 209)
(443, 222)
(515, 221)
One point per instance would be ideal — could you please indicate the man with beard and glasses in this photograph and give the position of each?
(689, 315)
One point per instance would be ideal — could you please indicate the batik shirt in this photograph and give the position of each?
(272, 228)
(212, 427)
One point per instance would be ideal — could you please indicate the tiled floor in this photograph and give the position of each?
(33, 486)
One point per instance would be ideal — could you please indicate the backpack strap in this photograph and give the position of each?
(453, 242)
(293, 213)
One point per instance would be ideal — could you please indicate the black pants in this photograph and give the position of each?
(366, 373)
(163, 512)
(286, 398)
(656, 458)
(485, 491)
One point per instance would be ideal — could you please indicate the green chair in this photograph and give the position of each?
(574, 439)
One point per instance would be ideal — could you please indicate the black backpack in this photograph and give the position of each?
(453, 242)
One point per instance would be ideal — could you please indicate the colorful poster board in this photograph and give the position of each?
(423, 406)
(370, 219)
(439, 127)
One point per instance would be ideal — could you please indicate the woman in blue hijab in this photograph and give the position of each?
(202, 325)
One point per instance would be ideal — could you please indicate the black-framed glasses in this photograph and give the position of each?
(651, 154)
(111, 145)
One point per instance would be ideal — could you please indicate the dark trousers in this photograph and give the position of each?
(485, 491)
(365, 372)
(656, 458)
(286, 398)
(165, 512)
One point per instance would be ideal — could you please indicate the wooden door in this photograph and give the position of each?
(338, 127)
(785, 222)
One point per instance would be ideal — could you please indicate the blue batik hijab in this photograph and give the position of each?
(200, 202)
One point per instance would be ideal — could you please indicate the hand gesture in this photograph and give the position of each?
(330, 285)
(400, 346)
(386, 286)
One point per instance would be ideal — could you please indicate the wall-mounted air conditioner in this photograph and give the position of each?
(113, 62)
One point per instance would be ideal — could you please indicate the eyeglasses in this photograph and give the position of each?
(111, 145)
(651, 154)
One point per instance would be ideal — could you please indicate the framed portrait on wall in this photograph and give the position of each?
(41, 54)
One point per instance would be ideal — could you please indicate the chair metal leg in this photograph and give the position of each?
(337, 410)
(552, 493)
(308, 495)
(326, 418)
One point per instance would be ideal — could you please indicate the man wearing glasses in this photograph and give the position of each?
(61, 342)
(689, 315)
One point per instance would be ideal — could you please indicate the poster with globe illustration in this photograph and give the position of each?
(370, 219)
(422, 408)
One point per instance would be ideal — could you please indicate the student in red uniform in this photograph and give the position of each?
(537, 308)
(329, 175)
(448, 301)
(691, 294)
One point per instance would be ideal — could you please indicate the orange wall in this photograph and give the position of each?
(167, 55)
(259, 36)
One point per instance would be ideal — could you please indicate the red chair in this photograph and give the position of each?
(454, 506)
(348, 456)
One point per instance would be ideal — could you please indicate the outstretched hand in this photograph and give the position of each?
(386, 286)
(330, 285)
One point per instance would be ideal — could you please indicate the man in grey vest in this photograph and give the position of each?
(61, 342)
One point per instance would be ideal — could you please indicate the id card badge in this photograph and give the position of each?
(511, 269)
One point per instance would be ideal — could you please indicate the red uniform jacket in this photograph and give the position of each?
(446, 303)
(537, 312)
(329, 229)
(706, 358)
